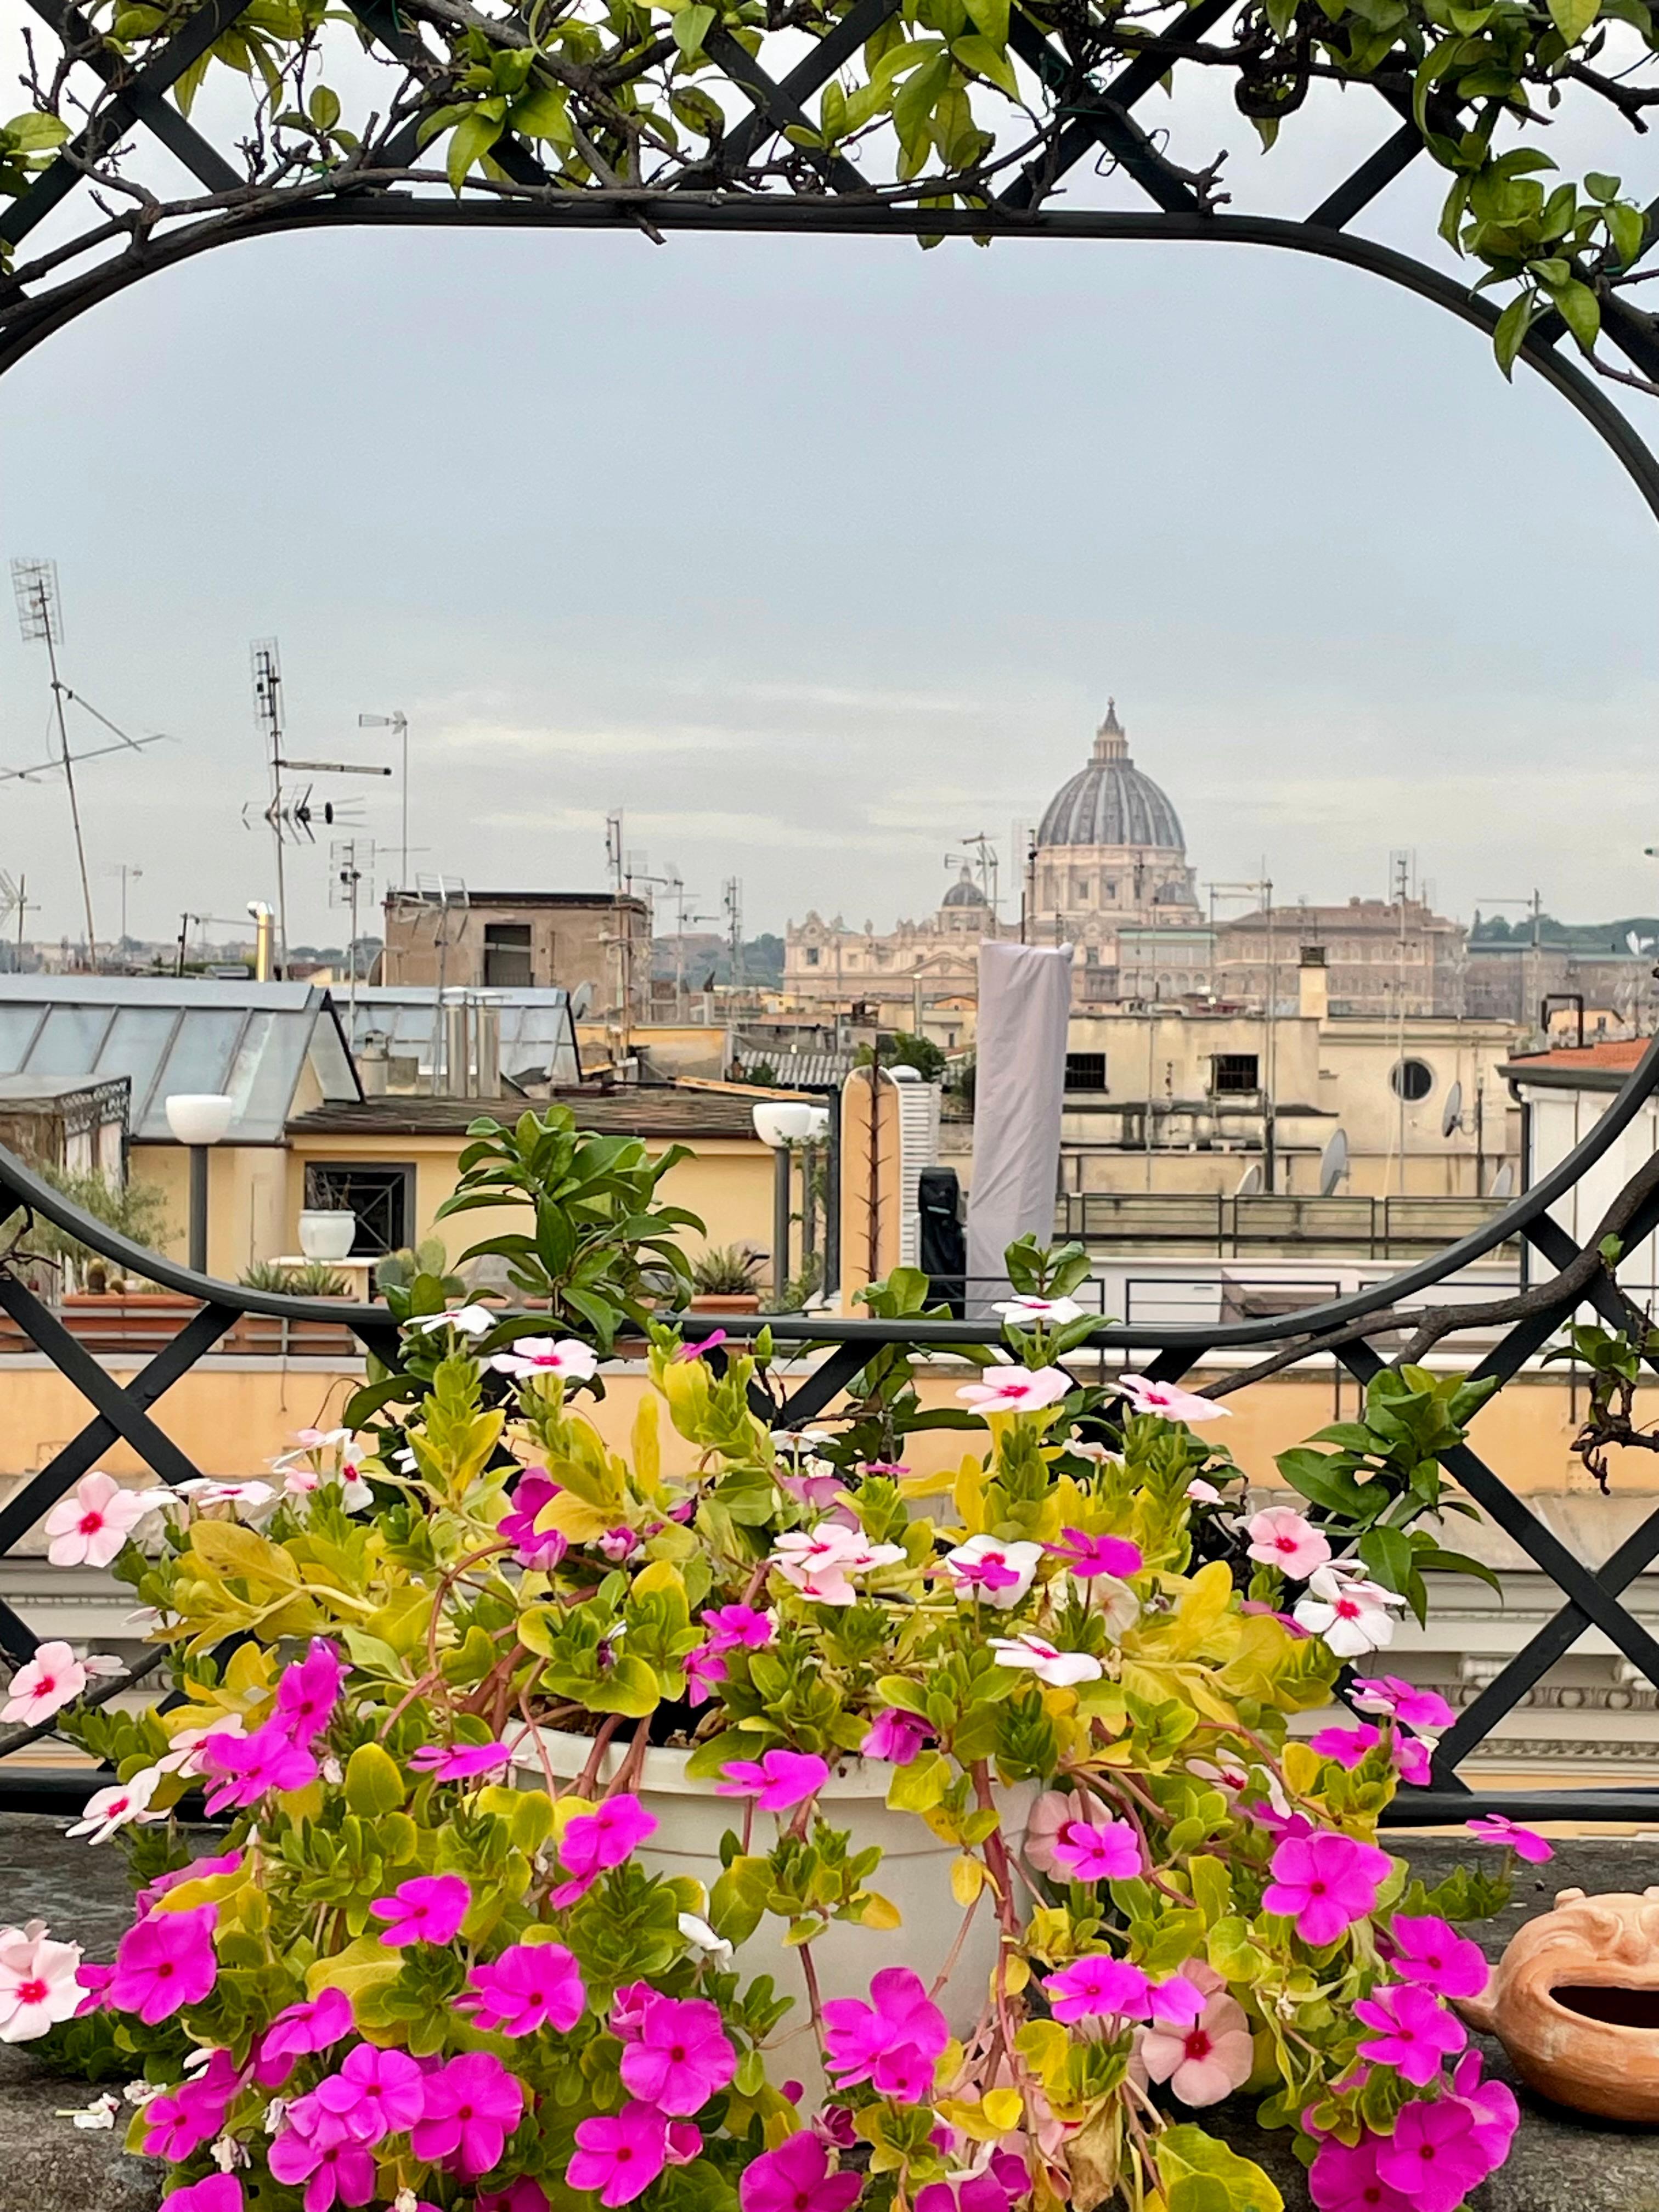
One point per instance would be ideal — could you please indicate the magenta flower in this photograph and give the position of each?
(620, 2154)
(729, 1625)
(340, 2171)
(1178, 1999)
(459, 1762)
(308, 1692)
(375, 2094)
(297, 2032)
(776, 1781)
(1526, 1843)
(704, 1667)
(1344, 2179)
(1434, 2156)
(541, 1549)
(249, 1766)
(1098, 1987)
(429, 1909)
(618, 1544)
(1432, 1953)
(220, 2192)
(472, 2106)
(896, 1736)
(198, 1870)
(627, 2010)
(523, 2195)
(1419, 1709)
(687, 1352)
(892, 2042)
(1496, 2116)
(796, 2178)
(181, 2122)
(594, 1842)
(1101, 1850)
(1346, 1745)
(1412, 2030)
(1089, 1556)
(1415, 1759)
(680, 2057)
(1325, 1883)
(164, 1963)
(530, 1986)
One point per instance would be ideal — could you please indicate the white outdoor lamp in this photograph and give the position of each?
(781, 1123)
(198, 1118)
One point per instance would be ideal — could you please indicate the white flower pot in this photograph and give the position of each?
(327, 1234)
(914, 1874)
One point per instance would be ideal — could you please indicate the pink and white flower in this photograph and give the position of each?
(1060, 1669)
(1206, 2061)
(1350, 1613)
(465, 1321)
(1280, 1537)
(107, 1810)
(38, 1986)
(90, 1525)
(821, 1562)
(545, 1355)
(1168, 1400)
(999, 1572)
(54, 1678)
(1038, 1312)
(1011, 1390)
(1425, 1710)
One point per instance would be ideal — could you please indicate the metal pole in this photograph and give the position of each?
(69, 779)
(782, 1167)
(832, 1202)
(199, 1207)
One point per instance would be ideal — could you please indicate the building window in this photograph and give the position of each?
(1235, 1074)
(381, 1197)
(507, 961)
(1411, 1079)
(1085, 1071)
(812, 955)
(1109, 890)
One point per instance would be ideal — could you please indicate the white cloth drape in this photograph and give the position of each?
(1019, 1083)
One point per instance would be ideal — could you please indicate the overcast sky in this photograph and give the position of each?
(815, 558)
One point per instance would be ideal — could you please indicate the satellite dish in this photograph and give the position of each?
(1333, 1163)
(581, 999)
(1249, 1183)
(1502, 1183)
(1638, 945)
(1454, 1112)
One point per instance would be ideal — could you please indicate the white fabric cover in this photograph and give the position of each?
(1024, 999)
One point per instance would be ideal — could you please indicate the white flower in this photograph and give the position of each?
(1084, 1448)
(466, 1320)
(332, 1772)
(227, 2154)
(406, 2201)
(107, 1810)
(140, 2093)
(702, 1937)
(1023, 1312)
(406, 1459)
(322, 1439)
(90, 1525)
(987, 1567)
(54, 1678)
(276, 2113)
(1170, 1402)
(100, 2113)
(1009, 1389)
(820, 1561)
(541, 1355)
(249, 1498)
(1351, 1615)
(1202, 1493)
(1058, 1669)
(105, 1663)
(184, 1758)
(302, 1481)
(38, 1986)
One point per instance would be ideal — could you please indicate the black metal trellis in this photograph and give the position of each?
(1590, 1597)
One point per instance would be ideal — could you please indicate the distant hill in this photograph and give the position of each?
(706, 955)
(1569, 936)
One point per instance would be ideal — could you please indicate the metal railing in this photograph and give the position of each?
(1378, 1228)
(1590, 1597)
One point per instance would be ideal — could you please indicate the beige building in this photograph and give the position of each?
(1381, 957)
(900, 973)
(507, 940)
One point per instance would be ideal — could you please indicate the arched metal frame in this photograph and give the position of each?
(849, 208)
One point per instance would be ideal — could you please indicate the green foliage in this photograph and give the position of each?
(315, 1279)
(725, 1270)
(138, 1211)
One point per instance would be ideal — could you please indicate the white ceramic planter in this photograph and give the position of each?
(914, 1874)
(327, 1234)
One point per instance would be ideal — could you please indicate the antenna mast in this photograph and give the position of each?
(267, 716)
(731, 907)
(40, 617)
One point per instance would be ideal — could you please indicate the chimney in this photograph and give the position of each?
(1313, 984)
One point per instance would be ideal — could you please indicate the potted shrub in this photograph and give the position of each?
(552, 1780)
(726, 1279)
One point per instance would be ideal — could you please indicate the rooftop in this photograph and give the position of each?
(668, 1112)
(1600, 1066)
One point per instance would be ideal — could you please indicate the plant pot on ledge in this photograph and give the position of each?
(724, 1302)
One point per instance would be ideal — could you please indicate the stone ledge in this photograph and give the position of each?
(1560, 2162)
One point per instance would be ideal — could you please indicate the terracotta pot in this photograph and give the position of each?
(1574, 2002)
(726, 1302)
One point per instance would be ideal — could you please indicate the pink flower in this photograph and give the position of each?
(1166, 1401)
(821, 1561)
(1413, 2031)
(1424, 1709)
(179, 2124)
(523, 2195)
(429, 1909)
(460, 1762)
(595, 1842)
(987, 1567)
(472, 2106)
(1206, 2062)
(1434, 2156)
(726, 1626)
(1346, 1745)
(1102, 1850)
(220, 2192)
(1089, 1556)
(627, 2010)
(620, 2154)
(541, 1550)
(43, 1686)
(164, 1963)
(298, 2031)
(540, 1355)
(1060, 1669)
(892, 2042)
(334, 2171)
(689, 1352)
(375, 2094)
(796, 2178)
(617, 1544)
(1098, 1987)
(107, 1810)
(247, 1766)
(1526, 1843)
(530, 1985)
(39, 1983)
(1496, 2116)
(1280, 1537)
(1344, 2179)
(91, 1526)
(1325, 1883)
(776, 1781)
(1414, 1758)
(1351, 1615)
(197, 1870)
(704, 1668)
(1016, 1389)
(680, 2057)
(896, 1736)
(1051, 1814)
(308, 1692)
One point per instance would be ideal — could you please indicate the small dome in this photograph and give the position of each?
(1110, 802)
(965, 892)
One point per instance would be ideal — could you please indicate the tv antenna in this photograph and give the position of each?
(397, 723)
(40, 620)
(351, 867)
(441, 905)
(731, 907)
(14, 901)
(979, 853)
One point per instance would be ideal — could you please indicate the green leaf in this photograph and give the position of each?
(373, 1781)
(1434, 1560)
(324, 107)
(541, 113)
(473, 136)
(1202, 2175)
(1572, 18)
(691, 27)
(1580, 311)
(1387, 1554)
(978, 53)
